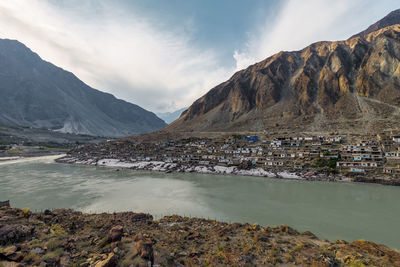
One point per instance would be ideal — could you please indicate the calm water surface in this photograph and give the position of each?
(330, 210)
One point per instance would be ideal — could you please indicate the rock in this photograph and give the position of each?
(14, 232)
(115, 233)
(144, 248)
(137, 217)
(287, 230)
(309, 234)
(114, 245)
(48, 212)
(65, 260)
(5, 203)
(139, 262)
(16, 257)
(139, 237)
(9, 250)
(262, 237)
(10, 264)
(6, 218)
(37, 250)
(193, 235)
(110, 261)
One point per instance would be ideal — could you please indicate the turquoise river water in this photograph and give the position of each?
(329, 210)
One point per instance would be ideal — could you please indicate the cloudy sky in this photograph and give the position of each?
(164, 54)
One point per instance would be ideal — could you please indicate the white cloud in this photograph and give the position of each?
(126, 54)
(299, 23)
(137, 58)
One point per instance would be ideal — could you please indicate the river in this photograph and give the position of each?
(329, 210)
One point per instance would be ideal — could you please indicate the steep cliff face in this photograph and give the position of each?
(348, 85)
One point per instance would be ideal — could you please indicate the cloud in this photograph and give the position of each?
(124, 53)
(141, 59)
(300, 23)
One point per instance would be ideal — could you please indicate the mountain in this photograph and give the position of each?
(35, 93)
(346, 86)
(392, 18)
(169, 117)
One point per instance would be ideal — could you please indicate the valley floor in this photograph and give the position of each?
(69, 238)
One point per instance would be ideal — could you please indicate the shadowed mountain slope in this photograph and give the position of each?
(35, 93)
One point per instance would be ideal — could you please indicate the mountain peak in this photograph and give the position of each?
(347, 86)
(35, 93)
(392, 18)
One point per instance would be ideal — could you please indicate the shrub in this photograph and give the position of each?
(53, 256)
(356, 263)
(35, 243)
(298, 247)
(25, 210)
(29, 257)
(53, 244)
(103, 242)
(58, 230)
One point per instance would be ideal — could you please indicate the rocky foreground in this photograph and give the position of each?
(70, 238)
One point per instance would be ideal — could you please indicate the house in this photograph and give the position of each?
(396, 139)
(392, 155)
(252, 139)
(357, 170)
(369, 164)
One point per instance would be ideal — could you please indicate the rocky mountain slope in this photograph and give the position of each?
(35, 93)
(347, 86)
(392, 18)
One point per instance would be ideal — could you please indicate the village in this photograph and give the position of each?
(333, 154)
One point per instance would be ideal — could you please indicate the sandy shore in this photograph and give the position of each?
(12, 160)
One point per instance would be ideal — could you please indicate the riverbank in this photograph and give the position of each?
(66, 237)
(48, 156)
(8, 158)
(166, 167)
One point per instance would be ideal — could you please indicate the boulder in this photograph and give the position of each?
(48, 212)
(9, 250)
(110, 261)
(14, 232)
(10, 264)
(5, 203)
(144, 249)
(287, 230)
(115, 233)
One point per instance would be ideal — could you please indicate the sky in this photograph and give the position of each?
(165, 54)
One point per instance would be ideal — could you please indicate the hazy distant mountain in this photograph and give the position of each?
(349, 86)
(35, 93)
(169, 117)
